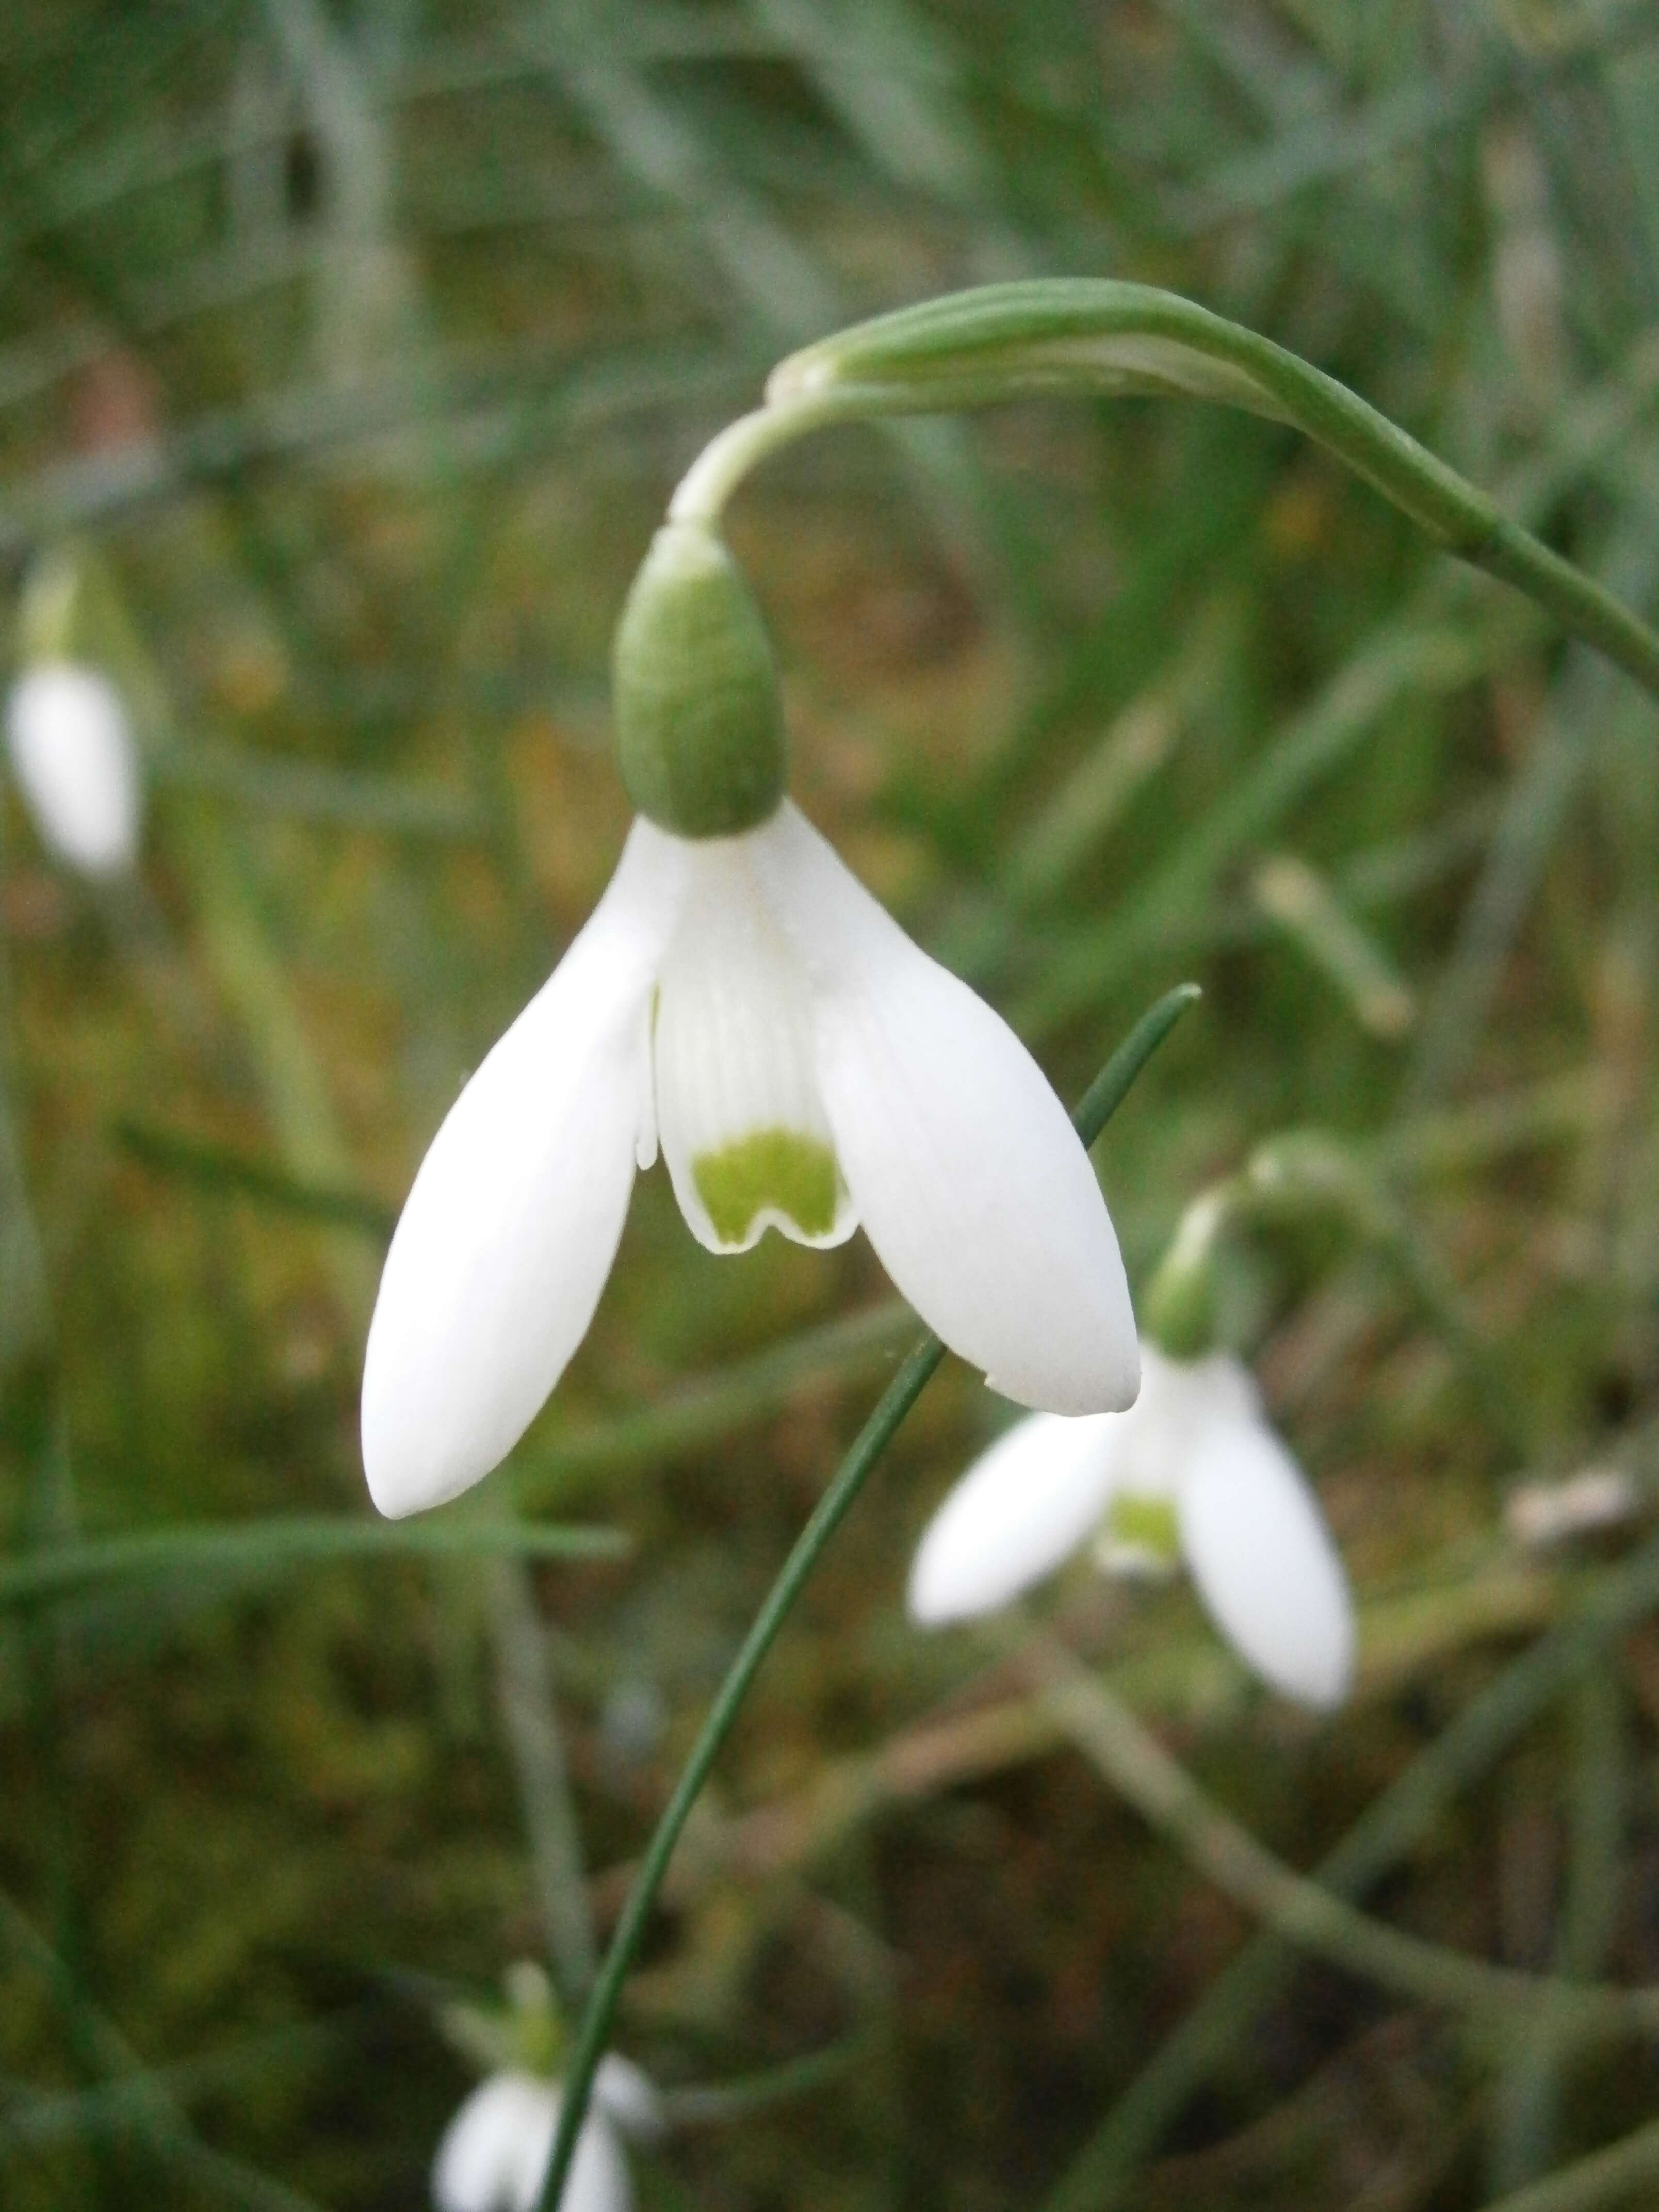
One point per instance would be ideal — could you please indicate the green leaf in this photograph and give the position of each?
(283, 1540)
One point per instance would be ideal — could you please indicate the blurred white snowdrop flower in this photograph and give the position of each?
(740, 998)
(1192, 1471)
(1540, 1514)
(77, 767)
(494, 2152)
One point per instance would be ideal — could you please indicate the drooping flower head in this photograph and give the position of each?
(72, 755)
(739, 999)
(493, 2154)
(1193, 1472)
(68, 735)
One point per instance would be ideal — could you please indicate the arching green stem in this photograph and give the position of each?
(1099, 1103)
(726, 460)
(1095, 336)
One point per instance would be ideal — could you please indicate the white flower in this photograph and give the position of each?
(494, 2152)
(1194, 1467)
(72, 753)
(744, 1001)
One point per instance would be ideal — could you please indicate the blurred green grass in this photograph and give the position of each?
(355, 350)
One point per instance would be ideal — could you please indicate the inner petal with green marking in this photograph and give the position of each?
(742, 1124)
(1140, 1536)
(777, 1174)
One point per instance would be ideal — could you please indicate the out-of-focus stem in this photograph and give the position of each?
(1527, 2096)
(1616, 2176)
(523, 1677)
(1132, 1758)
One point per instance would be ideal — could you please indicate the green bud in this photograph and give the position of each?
(525, 2035)
(1178, 1310)
(699, 722)
(538, 2030)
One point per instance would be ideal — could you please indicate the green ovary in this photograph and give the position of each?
(777, 1168)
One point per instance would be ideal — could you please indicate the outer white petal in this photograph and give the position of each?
(734, 1053)
(1178, 1399)
(625, 2094)
(1022, 1508)
(495, 2154)
(495, 2149)
(511, 1223)
(72, 751)
(967, 1174)
(1264, 1562)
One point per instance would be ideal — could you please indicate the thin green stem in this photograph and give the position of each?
(1099, 2177)
(1107, 1734)
(1614, 2176)
(1529, 2095)
(728, 458)
(878, 1432)
(1099, 1103)
(528, 1702)
(270, 1542)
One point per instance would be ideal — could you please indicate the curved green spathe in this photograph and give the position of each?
(1083, 334)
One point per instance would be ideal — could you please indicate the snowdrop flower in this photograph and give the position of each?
(494, 2152)
(1193, 1470)
(739, 999)
(72, 754)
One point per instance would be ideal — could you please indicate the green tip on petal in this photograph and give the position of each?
(700, 739)
(774, 1170)
(1140, 1533)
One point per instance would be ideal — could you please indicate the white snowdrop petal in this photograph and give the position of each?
(494, 2155)
(1264, 1562)
(742, 1127)
(495, 2149)
(1022, 1508)
(625, 2094)
(511, 1225)
(966, 1172)
(598, 2181)
(1178, 1399)
(1216, 1386)
(73, 755)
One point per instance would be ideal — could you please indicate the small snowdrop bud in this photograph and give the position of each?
(1178, 1310)
(700, 739)
(72, 753)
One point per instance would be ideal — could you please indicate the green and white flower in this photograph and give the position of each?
(1192, 1472)
(494, 2152)
(742, 1001)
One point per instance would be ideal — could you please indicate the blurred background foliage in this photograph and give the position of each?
(351, 350)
